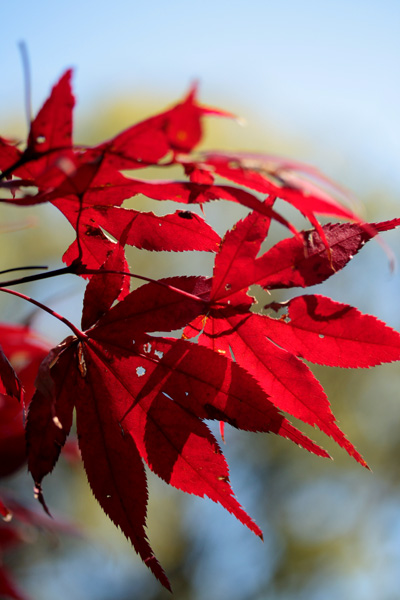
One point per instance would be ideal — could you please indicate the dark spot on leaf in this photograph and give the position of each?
(93, 231)
(185, 214)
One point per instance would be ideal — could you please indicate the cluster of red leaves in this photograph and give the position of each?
(142, 398)
(26, 350)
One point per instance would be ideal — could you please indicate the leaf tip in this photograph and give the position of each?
(38, 494)
(365, 464)
(241, 121)
(222, 430)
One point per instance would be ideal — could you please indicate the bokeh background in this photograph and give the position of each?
(316, 81)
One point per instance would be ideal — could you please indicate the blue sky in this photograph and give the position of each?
(328, 71)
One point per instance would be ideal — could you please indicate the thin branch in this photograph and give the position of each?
(27, 81)
(63, 271)
(79, 334)
(22, 269)
(53, 298)
(18, 163)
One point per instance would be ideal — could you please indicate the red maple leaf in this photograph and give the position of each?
(25, 350)
(177, 130)
(141, 397)
(145, 399)
(315, 328)
(49, 143)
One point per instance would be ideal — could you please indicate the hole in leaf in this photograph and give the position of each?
(57, 422)
(8, 517)
(40, 139)
(140, 371)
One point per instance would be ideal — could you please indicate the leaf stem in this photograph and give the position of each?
(79, 334)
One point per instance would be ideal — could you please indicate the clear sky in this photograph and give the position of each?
(329, 70)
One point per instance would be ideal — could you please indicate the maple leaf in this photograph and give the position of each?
(177, 232)
(51, 131)
(331, 333)
(281, 178)
(318, 329)
(25, 350)
(49, 143)
(300, 261)
(10, 385)
(184, 130)
(49, 415)
(176, 130)
(145, 399)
